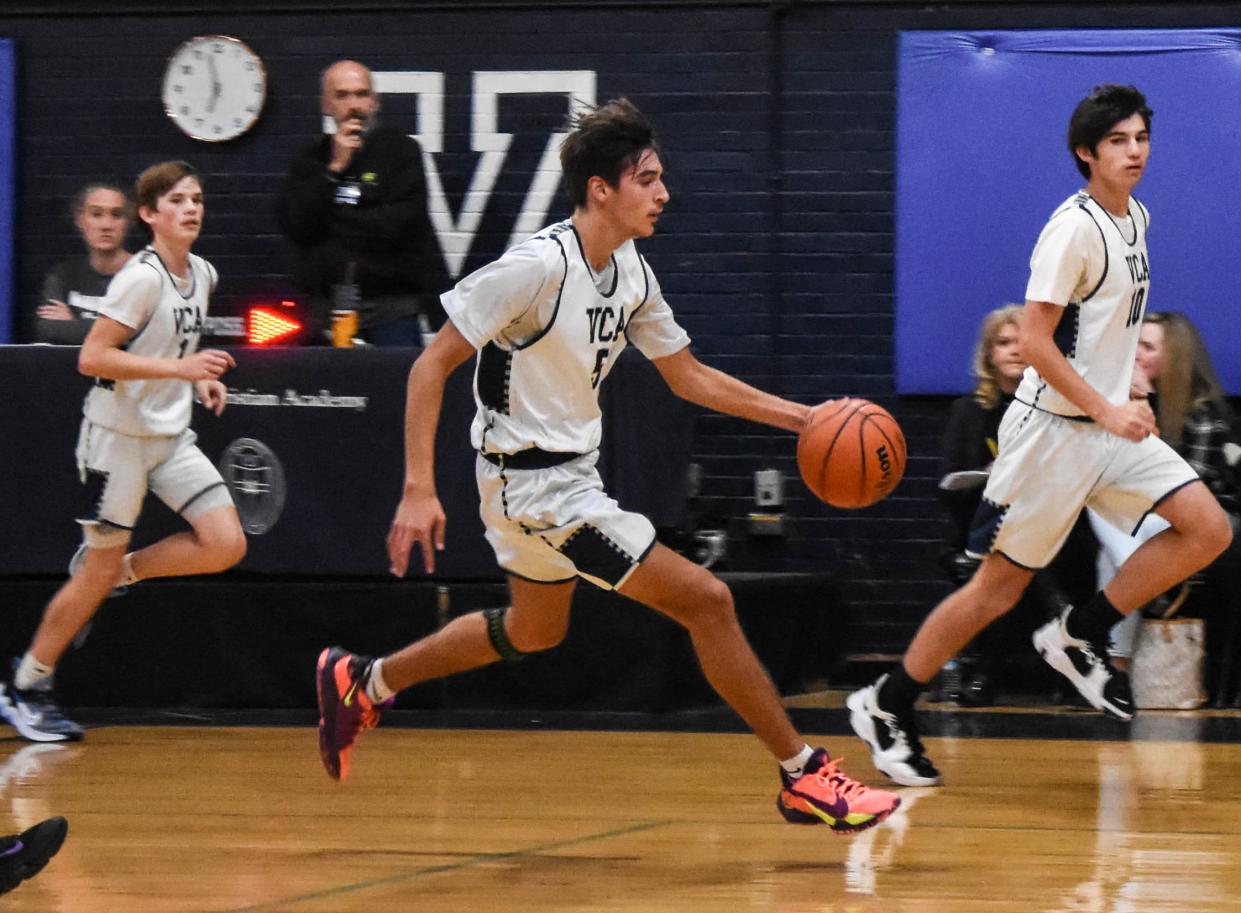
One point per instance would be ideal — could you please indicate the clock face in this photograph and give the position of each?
(214, 88)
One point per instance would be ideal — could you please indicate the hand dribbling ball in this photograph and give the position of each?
(852, 453)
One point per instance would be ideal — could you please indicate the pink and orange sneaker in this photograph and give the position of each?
(824, 794)
(344, 708)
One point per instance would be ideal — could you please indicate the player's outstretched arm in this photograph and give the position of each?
(102, 355)
(691, 380)
(1133, 420)
(419, 515)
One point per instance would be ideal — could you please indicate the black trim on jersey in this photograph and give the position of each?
(594, 553)
(646, 293)
(564, 259)
(495, 369)
(171, 278)
(1119, 230)
(105, 383)
(1107, 260)
(559, 228)
(211, 487)
(146, 261)
(1067, 330)
(590, 269)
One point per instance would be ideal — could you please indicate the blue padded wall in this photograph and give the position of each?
(982, 161)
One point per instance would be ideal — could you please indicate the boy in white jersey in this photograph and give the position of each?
(1072, 438)
(135, 437)
(548, 320)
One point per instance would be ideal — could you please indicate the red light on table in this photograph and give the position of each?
(265, 325)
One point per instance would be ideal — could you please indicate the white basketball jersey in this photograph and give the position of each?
(1096, 265)
(548, 331)
(166, 315)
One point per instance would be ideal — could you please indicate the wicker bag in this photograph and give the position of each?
(1168, 660)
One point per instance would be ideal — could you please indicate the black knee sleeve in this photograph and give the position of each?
(499, 637)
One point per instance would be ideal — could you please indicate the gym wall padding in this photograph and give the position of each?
(983, 160)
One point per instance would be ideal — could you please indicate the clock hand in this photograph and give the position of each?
(215, 83)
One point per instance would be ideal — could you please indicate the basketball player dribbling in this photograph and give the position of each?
(135, 437)
(1072, 438)
(548, 321)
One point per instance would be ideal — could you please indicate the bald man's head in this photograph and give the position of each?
(348, 94)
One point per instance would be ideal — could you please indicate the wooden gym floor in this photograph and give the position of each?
(220, 819)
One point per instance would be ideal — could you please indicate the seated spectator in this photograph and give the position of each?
(970, 439)
(1174, 369)
(970, 446)
(73, 288)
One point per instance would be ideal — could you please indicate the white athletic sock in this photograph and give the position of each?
(32, 674)
(127, 571)
(376, 688)
(796, 765)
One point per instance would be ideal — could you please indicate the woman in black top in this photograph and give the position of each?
(973, 423)
(73, 287)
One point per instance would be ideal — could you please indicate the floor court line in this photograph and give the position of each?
(479, 859)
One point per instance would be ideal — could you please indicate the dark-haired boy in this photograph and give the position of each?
(548, 320)
(1071, 438)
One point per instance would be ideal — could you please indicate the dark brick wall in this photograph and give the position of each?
(776, 250)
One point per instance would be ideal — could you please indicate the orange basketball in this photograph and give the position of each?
(852, 453)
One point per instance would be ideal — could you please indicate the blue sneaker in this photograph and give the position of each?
(35, 714)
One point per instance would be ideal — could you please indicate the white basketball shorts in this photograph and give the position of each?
(552, 525)
(1050, 467)
(117, 470)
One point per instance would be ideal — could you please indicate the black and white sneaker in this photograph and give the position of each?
(35, 714)
(1087, 667)
(895, 748)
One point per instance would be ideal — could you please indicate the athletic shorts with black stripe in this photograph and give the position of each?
(552, 525)
(118, 469)
(1050, 467)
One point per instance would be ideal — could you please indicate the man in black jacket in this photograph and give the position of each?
(354, 204)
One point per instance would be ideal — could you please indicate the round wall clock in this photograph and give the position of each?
(214, 88)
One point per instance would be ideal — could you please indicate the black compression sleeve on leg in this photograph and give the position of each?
(499, 637)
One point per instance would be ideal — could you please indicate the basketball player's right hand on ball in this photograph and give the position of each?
(207, 364)
(1134, 420)
(419, 518)
(812, 411)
